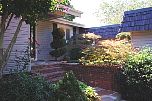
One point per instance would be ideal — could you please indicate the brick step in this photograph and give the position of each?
(52, 74)
(45, 66)
(47, 70)
(54, 80)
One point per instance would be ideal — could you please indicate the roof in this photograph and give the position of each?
(137, 20)
(66, 22)
(107, 32)
(71, 11)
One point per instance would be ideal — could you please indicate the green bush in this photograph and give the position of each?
(24, 87)
(70, 89)
(136, 78)
(29, 87)
(58, 43)
(109, 52)
(75, 53)
(89, 92)
(124, 35)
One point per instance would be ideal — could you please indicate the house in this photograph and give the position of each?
(107, 32)
(139, 24)
(41, 36)
(44, 36)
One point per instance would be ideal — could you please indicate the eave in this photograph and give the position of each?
(66, 22)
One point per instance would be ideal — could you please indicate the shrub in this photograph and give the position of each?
(85, 39)
(58, 43)
(107, 52)
(75, 53)
(70, 89)
(124, 35)
(136, 84)
(89, 92)
(24, 87)
(29, 87)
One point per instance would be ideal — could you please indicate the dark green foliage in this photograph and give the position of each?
(68, 89)
(69, 17)
(75, 53)
(58, 34)
(124, 35)
(58, 43)
(89, 92)
(29, 10)
(58, 52)
(29, 87)
(136, 77)
(24, 87)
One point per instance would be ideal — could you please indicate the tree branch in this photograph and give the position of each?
(2, 31)
(13, 41)
(8, 23)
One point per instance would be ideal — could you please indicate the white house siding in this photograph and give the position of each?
(44, 38)
(21, 43)
(142, 39)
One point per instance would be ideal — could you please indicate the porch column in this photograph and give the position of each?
(1, 62)
(74, 35)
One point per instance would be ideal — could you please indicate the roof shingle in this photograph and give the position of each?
(137, 20)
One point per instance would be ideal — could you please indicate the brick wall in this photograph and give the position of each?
(95, 76)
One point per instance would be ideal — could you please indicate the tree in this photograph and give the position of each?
(58, 43)
(112, 12)
(29, 11)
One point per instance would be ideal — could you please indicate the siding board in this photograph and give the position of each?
(21, 43)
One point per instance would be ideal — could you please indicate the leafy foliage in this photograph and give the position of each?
(29, 10)
(84, 40)
(124, 35)
(69, 17)
(89, 92)
(107, 52)
(70, 89)
(75, 53)
(58, 43)
(136, 77)
(24, 87)
(112, 13)
(22, 61)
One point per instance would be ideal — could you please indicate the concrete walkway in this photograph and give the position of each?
(107, 95)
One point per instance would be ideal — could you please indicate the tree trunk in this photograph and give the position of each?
(2, 31)
(1, 62)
